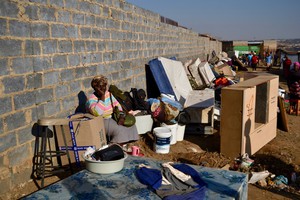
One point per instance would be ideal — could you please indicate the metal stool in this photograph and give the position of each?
(43, 164)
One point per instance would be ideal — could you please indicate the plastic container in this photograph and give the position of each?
(105, 167)
(143, 123)
(180, 132)
(162, 139)
(173, 128)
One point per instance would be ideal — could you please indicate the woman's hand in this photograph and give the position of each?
(100, 91)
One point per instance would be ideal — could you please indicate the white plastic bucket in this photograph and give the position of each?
(173, 128)
(162, 139)
(180, 132)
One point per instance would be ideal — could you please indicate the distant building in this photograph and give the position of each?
(240, 47)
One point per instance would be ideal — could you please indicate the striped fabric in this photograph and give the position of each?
(98, 107)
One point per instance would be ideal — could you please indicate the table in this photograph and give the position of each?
(221, 184)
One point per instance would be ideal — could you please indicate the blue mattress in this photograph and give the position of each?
(161, 79)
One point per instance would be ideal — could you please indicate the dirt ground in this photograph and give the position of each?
(280, 157)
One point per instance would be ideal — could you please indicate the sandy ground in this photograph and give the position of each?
(280, 157)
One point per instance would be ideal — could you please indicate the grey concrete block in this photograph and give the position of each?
(73, 4)
(52, 108)
(32, 12)
(40, 31)
(51, 78)
(43, 95)
(13, 84)
(49, 46)
(78, 19)
(79, 46)
(18, 155)
(67, 75)
(107, 57)
(14, 121)
(87, 84)
(100, 22)
(85, 6)
(105, 11)
(4, 67)
(85, 32)
(90, 20)
(22, 65)
(71, 32)
(75, 86)
(6, 105)
(91, 46)
(96, 33)
(25, 134)
(96, 57)
(74, 60)
(80, 72)
(69, 103)
(85, 59)
(34, 81)
(61, 91)
(19, 28)
(95, 9)
(63, 16)
(105, 34)
(65, 46)
(59, 61)
(32, 47)
(102, 46)
(47, 14)
(8, 9)
(3, 26)
(41, 63)
(24, 100)
(40, 111)
(92, 70)
(58, 30)
(15, 47)
(58, 3)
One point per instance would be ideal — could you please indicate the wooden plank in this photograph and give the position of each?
(283, 116)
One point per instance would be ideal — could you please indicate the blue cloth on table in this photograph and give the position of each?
(220, 184)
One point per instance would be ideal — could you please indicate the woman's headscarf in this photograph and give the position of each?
(99, 80)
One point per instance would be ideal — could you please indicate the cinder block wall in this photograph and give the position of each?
(50, 50)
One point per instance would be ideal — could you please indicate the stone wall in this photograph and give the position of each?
(50, 50)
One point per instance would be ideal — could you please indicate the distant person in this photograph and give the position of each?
(254, 62)
(249, 58)
(268, 61)
(286, 66)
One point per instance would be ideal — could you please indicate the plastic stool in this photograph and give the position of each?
(43, 164)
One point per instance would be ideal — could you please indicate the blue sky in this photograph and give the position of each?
(232, 19)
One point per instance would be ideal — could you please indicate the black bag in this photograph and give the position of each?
(124, 98)
(139, 101)
(113, 152)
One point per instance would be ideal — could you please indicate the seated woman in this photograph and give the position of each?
(100, 103)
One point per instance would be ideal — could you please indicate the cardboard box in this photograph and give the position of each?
(83, 131)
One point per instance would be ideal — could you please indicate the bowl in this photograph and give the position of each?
(105, 167)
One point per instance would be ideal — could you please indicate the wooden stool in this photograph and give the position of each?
(43, 164)
(294, 106)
